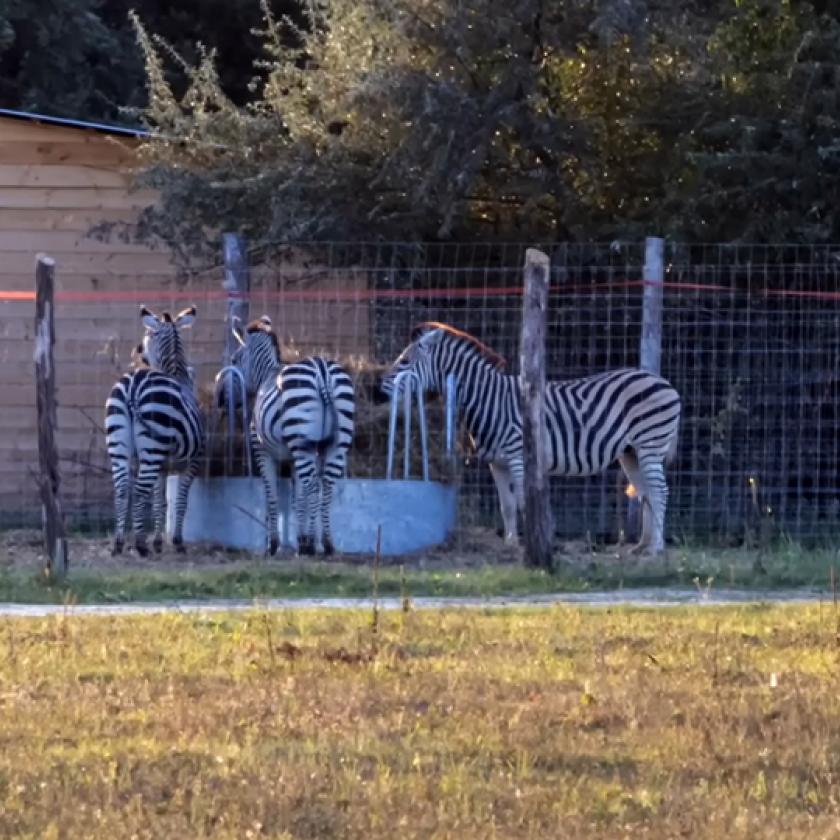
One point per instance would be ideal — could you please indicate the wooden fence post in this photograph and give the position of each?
(650, 345)
(539, 530)
(237, 284)
(55, 538)
(650, 342)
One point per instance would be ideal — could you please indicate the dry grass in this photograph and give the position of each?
(546, 723)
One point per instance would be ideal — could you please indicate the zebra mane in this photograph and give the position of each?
(262, 325)
(498, 361)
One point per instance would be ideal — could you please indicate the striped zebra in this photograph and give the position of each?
(302, 412)
(153, 424)
(629, 415)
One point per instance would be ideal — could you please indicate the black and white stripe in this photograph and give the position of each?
(627, 415)
(302, 412)
(153, 426)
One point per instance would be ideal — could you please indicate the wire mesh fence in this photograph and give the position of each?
(750, 339)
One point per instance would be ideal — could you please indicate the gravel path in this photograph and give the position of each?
(624, 597)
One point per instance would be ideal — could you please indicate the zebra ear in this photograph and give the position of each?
(427, 339)
(149, 319)
(185, 319)
(266, 321)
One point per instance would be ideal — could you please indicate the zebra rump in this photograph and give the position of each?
(304, 413)
(153, 425)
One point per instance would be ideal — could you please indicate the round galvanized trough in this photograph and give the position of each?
(414, 515)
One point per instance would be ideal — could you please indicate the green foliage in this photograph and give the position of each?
(483, 573)
(454, 119)
(422, 120)
(79, 58)
(60, 57)
(764, 161)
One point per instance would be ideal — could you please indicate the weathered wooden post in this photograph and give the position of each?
(237, 284)
(539, 529)
(650, 342)
(650, 345)
(55, 538)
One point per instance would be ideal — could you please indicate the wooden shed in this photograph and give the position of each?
(58, 180)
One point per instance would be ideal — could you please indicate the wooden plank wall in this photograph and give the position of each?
(55, 183)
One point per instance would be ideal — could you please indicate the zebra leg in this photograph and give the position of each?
(657, 490)
(306, 487)
(121, 476)
(159, 511)
(507, 500)
(333, 470)
(148, 473)
(268, 472)
(630, 464)
(120, 443)
(326, 525)
(185, 481)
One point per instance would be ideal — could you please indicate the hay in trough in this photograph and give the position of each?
(369, 453)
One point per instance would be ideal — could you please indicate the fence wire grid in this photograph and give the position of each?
(750, 339)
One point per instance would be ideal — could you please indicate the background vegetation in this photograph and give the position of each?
(437, 119)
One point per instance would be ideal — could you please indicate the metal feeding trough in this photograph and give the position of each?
(414, 515)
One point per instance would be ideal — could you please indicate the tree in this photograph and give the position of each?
(422, 119)
(59, 57)
(79, 58)
(500, 119)
(764, 162)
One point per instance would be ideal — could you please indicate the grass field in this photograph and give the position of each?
(480, 567)
(561, 722)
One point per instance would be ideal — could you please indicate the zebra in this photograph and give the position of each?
(302, 412)
(152, 417)
(629, 414)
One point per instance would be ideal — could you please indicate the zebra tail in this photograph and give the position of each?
(329, 404)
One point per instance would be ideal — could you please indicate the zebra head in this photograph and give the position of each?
(162, 346)
(437, 350)
(420, 358)
(258, 356)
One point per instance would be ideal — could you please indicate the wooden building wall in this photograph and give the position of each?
(55, 184)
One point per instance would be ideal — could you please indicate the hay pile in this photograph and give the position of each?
(369, 453)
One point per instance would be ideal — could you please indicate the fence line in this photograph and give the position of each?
(12, 296)
(750, 338)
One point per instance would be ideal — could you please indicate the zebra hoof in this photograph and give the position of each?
(329, 548)
(117, 549)
(157, 545)
(142, 549)
(273, 545)
(306, 546)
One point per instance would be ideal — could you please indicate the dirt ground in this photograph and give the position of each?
(23, 549)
